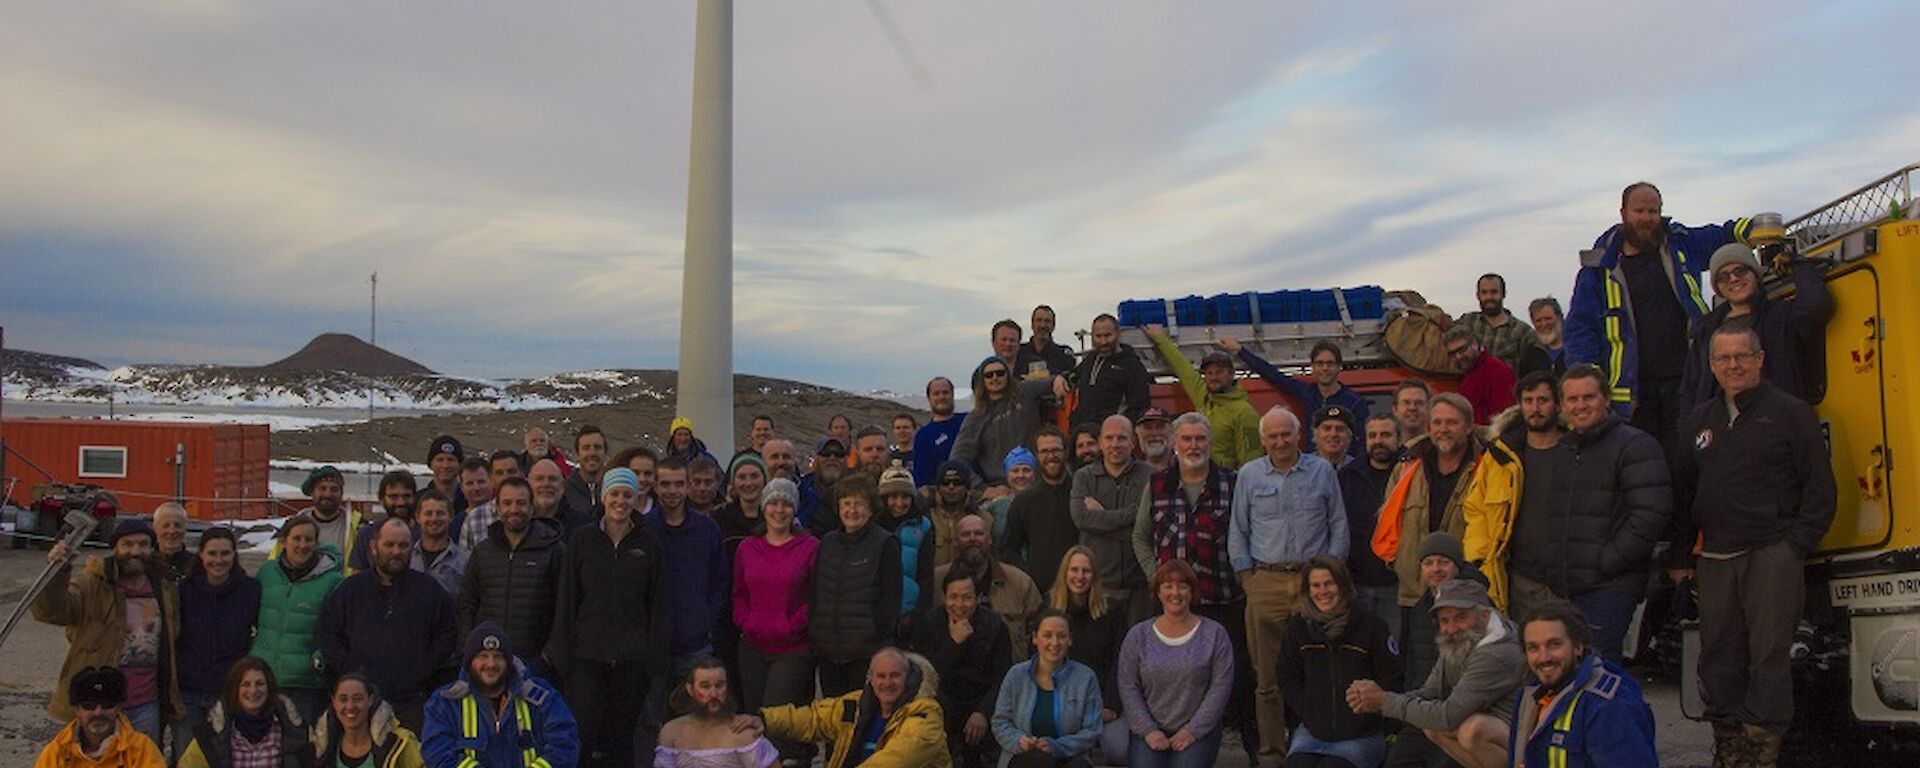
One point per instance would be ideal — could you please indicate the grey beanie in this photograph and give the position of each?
(780, 488)
(1732, 253)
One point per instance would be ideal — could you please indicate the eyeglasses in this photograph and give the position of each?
(1460, 351)
(1737, 357)
(833, 454)
(993, 374)
(1731, 274)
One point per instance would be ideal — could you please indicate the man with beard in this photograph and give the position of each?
(397, 490)
(583, 486)
(1009, 590)
(1040, 530)
(1485, 380)
(895, 719)
(476, 484)
(327, 488)
(1427, 491)
(1086, 445)
(1363, 486)
(1597, 542)
(1041, 355)
(1286, 510)
(99, 736)
(683, 445)
(704, 733)
(1187, 514)
(550, 499)
(1154, 436)
(1466, 706)
(1510, 515)
(1547, 318)
(870, 451)
(119, 613)
(1325, 361)
(694, 565)
(537, 445)
(496, 714)
(816, 487)
(1634, 299)
(513, 577)
(1109, 378)
(1410, 400)
(1579, 710)
(1104, 503)
(393, 624)
(933, 442)
(1496, 329)
(1217, 396)
(436, 554)
(170, 527)
(778, 454)
(947, 502)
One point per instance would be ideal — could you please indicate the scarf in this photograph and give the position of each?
(1333, 622)
(296, 574)
(253, 728)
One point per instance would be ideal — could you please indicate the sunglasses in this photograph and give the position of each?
(953, 483)
(94, 705)
(833, 454)
(993, 373)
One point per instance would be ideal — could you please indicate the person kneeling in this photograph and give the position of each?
(1466, 705)
(894, 720)
(1324, 649)
(99, 736)
(1579, 711)
(703, 735)
(1048, 711)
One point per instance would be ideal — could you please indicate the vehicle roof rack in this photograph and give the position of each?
(1838, 229)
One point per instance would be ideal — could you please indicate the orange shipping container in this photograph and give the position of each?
(219, 469)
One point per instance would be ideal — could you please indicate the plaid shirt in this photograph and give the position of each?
(1197, 532)
(265, 754)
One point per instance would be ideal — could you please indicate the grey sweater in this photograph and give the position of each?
(1109, 531)
(1486, 683)
(1170, 687)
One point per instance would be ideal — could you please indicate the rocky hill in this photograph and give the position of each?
(346, 353)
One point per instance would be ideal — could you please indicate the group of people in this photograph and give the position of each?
(1449, 581)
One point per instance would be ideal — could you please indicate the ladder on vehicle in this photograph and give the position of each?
(1286, 345)
(1838, 230)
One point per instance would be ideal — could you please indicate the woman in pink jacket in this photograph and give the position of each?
(772, 582)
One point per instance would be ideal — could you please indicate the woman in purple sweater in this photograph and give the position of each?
(771, 586)
(1176, 671)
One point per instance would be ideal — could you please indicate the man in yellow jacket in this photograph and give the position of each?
(1217, 396)
(99, 736)
(893, 721)
(1522, 455)
(1427, 491)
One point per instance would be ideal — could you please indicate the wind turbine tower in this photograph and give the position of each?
(705, 390)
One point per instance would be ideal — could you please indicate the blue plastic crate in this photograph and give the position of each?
(1193, 310)
(1137, 312)
(1232, 308)
(1365, 302)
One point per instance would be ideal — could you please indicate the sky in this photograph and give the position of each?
(215, 181)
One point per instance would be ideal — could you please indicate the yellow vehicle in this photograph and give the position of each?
(1857, 656)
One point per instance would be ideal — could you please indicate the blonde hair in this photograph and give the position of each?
(1060, 599)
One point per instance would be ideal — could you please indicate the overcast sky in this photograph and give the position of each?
(214, 181)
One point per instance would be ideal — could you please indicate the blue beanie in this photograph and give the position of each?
(1018, 456)
(619, 477)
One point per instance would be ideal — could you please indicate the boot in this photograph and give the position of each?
(1763, 746)
(1729, 746)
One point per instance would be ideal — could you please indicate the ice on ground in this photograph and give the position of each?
(277, 423)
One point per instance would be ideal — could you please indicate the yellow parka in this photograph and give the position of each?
(914, 737)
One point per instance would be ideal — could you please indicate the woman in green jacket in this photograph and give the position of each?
(293, 585)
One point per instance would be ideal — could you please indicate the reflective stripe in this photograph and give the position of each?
(1693, 286)
(528, 757)
(1616, 345)
(470, 728)
(1556, 754)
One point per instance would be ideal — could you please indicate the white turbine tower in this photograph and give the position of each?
(705, 389)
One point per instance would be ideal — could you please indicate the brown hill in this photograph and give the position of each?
(345, 352)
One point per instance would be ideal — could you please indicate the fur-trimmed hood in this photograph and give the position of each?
(382, 720)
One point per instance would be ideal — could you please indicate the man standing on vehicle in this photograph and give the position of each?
(1325, 361)
(1634, 299)
(1110, 378)
(933, 443)
(1218, 397)
(1763, 494)
(1041, 353)
(1496, 329)
(1485, 380)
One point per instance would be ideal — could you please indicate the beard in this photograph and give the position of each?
(1154, 449)
(1491, 308)
(712, 710)
(1382, 454)
(1195, 462)
(1548, 423)
(1454, 648)
(1650, 240)
(130, 565)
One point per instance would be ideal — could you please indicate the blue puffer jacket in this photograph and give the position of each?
(1599, 324)
(1599, 719)
(916, 536)
(1076, 710)
(535, 730)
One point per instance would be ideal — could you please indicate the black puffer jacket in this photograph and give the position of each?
(856, 594)
(514, 588)
(613, 601)
(1618, 501)
(1315, 672)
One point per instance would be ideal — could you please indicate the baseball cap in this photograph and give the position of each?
(1155, 413)
(1461, 593)
(837, 444)
(1331, 412)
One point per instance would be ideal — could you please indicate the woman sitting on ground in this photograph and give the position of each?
(360, 731)
(1324, 648)
(1048, 712)
(250, 725)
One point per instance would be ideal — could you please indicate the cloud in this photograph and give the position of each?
(222, 177)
